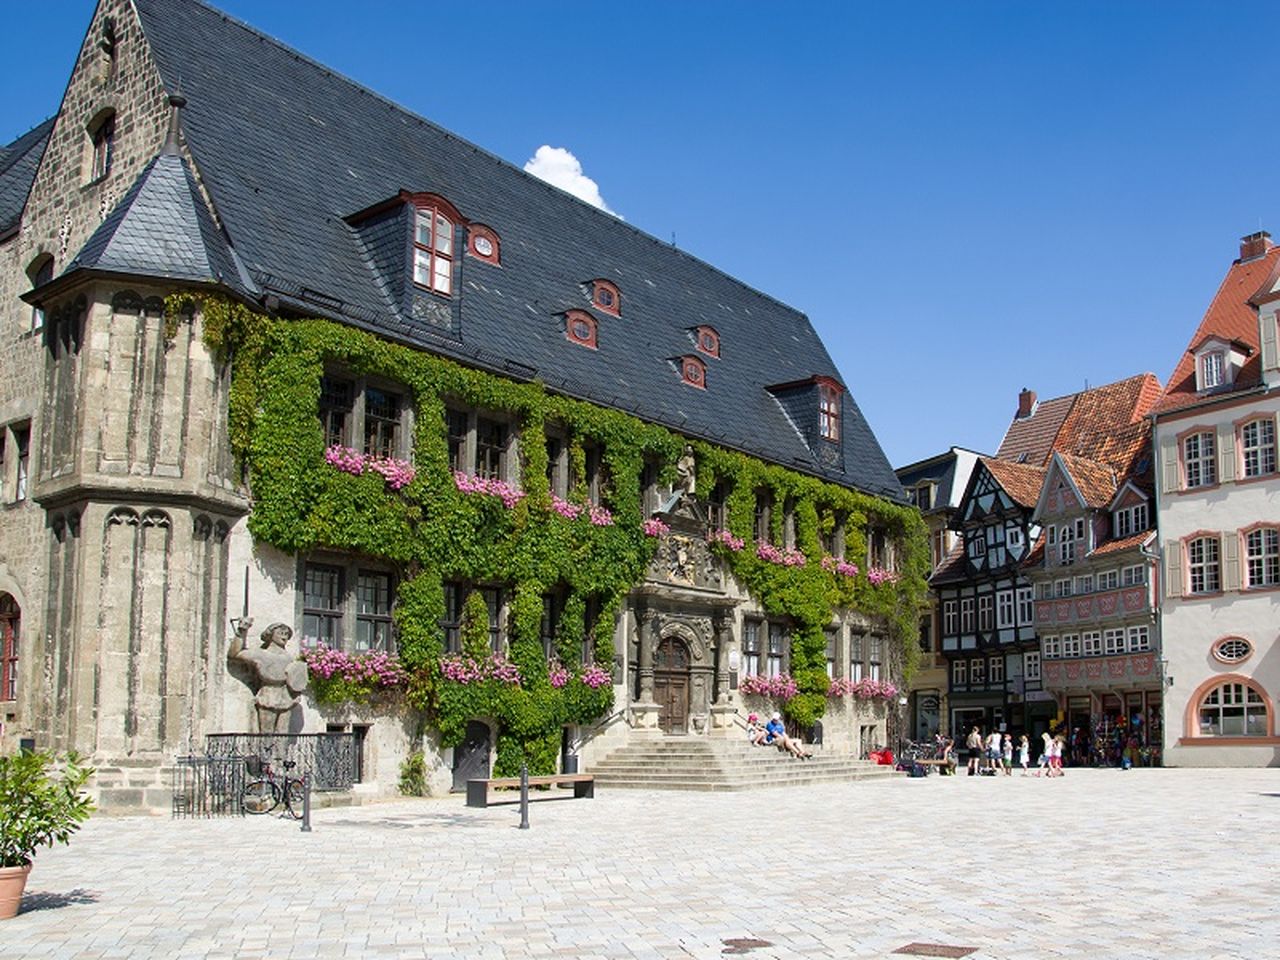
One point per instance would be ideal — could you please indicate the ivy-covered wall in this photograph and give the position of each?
(432, 531)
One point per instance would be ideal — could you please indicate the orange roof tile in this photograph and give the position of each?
(1229, 317)
(1124, 543)
(1030, 439)
(1096, 481)
(1021, 481)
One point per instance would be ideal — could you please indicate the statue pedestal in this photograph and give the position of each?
(722, 717)
(645, 716)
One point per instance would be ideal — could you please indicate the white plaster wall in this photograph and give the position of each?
(1190, 626)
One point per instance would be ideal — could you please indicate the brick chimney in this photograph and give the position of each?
(1026, 403)
(1255, 245)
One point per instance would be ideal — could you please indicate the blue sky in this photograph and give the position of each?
(965, 198)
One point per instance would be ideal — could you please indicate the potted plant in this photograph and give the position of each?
(38, 808)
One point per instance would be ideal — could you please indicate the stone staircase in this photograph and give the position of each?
(697, 763)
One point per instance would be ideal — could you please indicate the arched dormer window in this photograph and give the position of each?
(40, 272)
(606, 297)
(434, 220)
(693, 372)
(829, 410)
(707, 340)
(102, 145)
(581, 328)
(483, 244)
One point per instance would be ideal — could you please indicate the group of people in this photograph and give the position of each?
(774, 734)
(994, 754)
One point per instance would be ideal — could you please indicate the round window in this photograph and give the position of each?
(604, 296)
(708, 341)
(693, 373)
(581, 330)
(1232, 650)
(484, 246)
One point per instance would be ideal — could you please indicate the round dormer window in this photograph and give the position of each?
(1232, 650)
(484, 246)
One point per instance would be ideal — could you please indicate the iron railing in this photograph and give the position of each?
(329, 760)
(208, 787)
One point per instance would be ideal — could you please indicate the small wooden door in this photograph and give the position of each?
(471, 757)
(671, 685)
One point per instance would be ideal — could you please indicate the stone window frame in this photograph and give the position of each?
(10, 640)
(751, 646)
(355, 426)
(100, 134)
(347, 615)
(497, 603)
(465, 449)
(39, 272)
(15, 461)
(777, 648)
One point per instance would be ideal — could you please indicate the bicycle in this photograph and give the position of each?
(269, 789)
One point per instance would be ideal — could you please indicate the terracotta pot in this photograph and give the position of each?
(13, 880)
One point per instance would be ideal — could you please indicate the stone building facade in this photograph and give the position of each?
(125, 541)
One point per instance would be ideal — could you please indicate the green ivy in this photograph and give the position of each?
(431, 532)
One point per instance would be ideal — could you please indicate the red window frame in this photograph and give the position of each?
(572, 320)
(606, 297)
(10, 628)
(693, 372)
(478, 232)
(433, 251)
(829, 411)
(707, 340)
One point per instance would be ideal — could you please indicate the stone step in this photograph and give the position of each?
(738, 784)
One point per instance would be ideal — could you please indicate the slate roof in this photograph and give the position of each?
(161, 228)
(1231, 318)
(288, 149)
(18, 163)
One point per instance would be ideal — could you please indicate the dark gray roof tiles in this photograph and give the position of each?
(161, 228)
(18, 163)
(288, 151)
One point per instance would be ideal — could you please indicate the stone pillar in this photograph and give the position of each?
(644, 711)
(722, 710)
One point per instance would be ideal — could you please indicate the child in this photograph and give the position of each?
(1006, 755)
(1024, 753)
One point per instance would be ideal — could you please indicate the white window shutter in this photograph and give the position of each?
(1230, 561)
(1269, 359)
(1173, 569)
(1169, 462)
(1226, 453)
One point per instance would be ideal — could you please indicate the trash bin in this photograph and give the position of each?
(570, 763)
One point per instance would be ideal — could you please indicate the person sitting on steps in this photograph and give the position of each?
(777, 736)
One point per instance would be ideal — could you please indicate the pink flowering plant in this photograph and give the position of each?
(462, 669)
(782, 687)
(507, 493)
(570, 511)
(558, 676)
(725, 539)
(784, 558)
(340, 677)
(397, 473)
(878, 576)
(841, 567)
(653, 527)
(601, 517)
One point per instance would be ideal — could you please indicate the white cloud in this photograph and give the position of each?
(560, 168)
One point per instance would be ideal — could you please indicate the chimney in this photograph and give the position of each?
(1026, 403)
(1255, 245)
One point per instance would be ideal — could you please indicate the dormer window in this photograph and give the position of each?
(693, 372)
(828, 412)
(606, 297)
(482, 243)
(581, 328)
(1211, 370)
(707, 341)
(102, 139)
(433, 250)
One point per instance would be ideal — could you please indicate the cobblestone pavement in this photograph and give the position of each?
(1147, 863)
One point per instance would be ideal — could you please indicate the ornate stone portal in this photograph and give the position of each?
(684, 627)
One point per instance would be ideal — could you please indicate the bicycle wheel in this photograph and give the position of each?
(260, 796)
(293, 798)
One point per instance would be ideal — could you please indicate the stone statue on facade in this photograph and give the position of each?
(279, 676)
(687, 472)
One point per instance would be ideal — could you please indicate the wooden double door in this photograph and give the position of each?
(671, 685)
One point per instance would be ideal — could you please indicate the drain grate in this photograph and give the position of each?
(935, 950)
(739, 945)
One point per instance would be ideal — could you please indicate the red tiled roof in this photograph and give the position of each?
(1229, 317)
(1102, 423)
(1096, 481)
(952, 568)
(1036, 557)
(1125, 543)
(1021, 481)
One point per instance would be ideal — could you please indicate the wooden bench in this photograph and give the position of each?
(584, 785)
